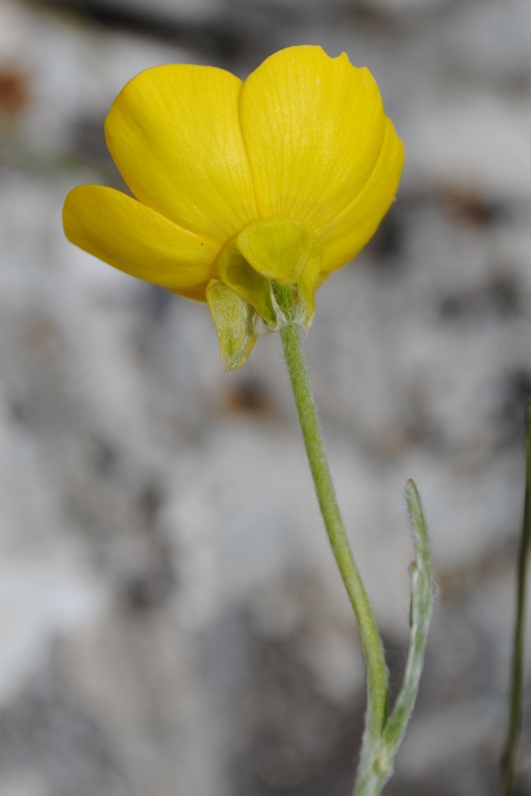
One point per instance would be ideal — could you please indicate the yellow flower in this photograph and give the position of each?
(240, 186)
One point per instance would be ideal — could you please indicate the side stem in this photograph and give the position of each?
(517, 672)
(377, 677)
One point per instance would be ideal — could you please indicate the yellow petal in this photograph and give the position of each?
(194, 295)
(137, 240)
(233, 319)
(278, 248)
(345, 235)
(175, 135)
(313, 128)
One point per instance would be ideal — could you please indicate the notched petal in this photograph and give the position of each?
(313, 128)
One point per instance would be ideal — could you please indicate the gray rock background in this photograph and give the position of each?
(170, 618)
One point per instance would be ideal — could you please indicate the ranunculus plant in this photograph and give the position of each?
(248, 196)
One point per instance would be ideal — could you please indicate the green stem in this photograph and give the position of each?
(515, 709)
(377, 677)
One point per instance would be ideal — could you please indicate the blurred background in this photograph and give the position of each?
(171, 621)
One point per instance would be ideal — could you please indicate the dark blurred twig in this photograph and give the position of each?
(212, 35)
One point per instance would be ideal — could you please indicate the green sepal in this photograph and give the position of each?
(236, 272)
(307, 284)
(233, 318)
(277, 248)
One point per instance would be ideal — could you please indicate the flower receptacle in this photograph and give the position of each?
(267, 254)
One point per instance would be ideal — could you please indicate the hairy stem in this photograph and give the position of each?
(377, 678)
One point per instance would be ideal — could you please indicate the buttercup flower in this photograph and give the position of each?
(240, 187)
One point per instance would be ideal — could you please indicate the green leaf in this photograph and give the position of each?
(378, 758)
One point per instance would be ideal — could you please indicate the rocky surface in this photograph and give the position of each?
(171, 621)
